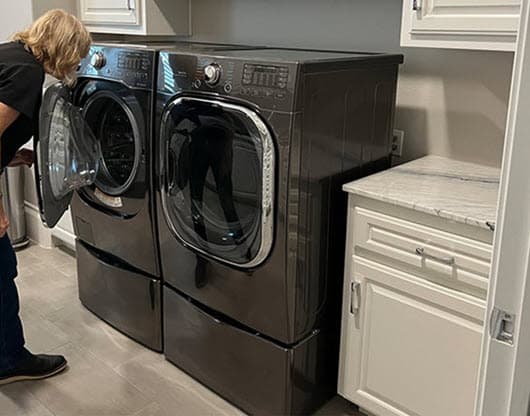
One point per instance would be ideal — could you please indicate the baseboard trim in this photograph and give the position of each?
(63, 237)
(36, 231)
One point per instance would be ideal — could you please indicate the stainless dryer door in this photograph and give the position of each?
(67, 153)
(218, 179)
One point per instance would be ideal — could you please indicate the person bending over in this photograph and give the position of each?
(54, 44)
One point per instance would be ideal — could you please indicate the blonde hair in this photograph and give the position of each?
(59, 41)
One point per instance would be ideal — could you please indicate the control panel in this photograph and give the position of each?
(133, 61)
(269, 81)
(135, 68)
(267, 76)
(268, 85)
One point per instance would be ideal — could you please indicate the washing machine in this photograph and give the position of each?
(95, 154)
(253, 147)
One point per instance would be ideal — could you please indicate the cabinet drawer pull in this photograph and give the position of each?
(450, 261)
(355, 298)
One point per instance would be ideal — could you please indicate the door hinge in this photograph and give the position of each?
(502, 326)
(355, 298)
(416, 5)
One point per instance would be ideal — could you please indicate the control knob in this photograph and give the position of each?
(98, 60)
(212, 74)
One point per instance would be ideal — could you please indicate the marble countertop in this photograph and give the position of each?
(457, 191)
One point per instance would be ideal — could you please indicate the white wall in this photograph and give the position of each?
(450, 103)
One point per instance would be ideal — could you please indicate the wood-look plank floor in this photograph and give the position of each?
(108, 374)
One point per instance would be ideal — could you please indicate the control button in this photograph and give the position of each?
(197, 83)
(212, 74)
(98, 60)
(280, 95)
(228, 88)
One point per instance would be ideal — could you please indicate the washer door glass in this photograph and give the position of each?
(218, 179)
(68, 154)
(117, 133)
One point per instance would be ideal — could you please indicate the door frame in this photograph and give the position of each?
(504, 385)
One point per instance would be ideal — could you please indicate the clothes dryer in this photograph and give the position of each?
(253, 148)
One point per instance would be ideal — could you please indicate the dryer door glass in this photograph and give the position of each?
(117, 133)
(218, 179)
(67, 153)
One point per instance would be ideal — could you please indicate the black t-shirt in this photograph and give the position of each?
(21, 80)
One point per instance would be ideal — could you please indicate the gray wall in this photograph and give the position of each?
(450, 103)
(14, 16)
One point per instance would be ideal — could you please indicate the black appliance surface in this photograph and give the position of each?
(125, 298)
(95, 154)
(111, 105)
(253, 147)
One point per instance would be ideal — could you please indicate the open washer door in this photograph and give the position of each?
(68, 154)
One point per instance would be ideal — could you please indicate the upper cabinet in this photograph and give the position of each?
(461, 24)
(136, 17)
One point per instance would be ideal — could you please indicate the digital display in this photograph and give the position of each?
(132, 62)
(265, 76)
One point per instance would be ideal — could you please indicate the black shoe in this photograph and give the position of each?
(34, 367)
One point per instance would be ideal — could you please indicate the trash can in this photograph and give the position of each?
(12, 185)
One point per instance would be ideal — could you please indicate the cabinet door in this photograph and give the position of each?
(412, 347)
(122, 12)
(473, 24)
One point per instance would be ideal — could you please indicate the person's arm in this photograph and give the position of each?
(7, 116)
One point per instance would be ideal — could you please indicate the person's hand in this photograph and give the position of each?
(24, 157)
(4, 221)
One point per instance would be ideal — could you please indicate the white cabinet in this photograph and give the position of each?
(136, 17)
(121, 12)
(463, 24)
(413, 347)
(413, 312)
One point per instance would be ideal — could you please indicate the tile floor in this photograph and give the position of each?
(108, 374)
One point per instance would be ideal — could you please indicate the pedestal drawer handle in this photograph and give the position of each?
(450, 261)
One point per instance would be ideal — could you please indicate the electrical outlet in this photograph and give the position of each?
(397, 142)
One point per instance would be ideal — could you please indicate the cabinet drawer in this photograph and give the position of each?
(434, 254)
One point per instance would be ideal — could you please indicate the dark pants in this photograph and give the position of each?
(11, 334)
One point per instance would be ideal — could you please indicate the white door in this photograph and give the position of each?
(505, 374)
(110, 12)
(496, 17)
(412, 347)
